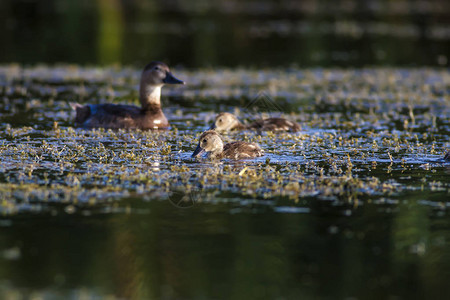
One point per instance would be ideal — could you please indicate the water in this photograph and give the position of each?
(161, 252)
(353, 205)
(227, 33)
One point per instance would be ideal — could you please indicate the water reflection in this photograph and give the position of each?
(203, 33)
(204, 252)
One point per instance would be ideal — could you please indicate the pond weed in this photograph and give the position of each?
(362, 132)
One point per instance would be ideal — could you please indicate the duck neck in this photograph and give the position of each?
(217, 152)
(239, 126)
(150, 97)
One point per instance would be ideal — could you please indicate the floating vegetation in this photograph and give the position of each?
(367, 135)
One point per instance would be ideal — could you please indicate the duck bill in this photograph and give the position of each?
(170, 79)
(198, 151)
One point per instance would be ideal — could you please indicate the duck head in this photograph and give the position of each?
(158, 73)
(153, 77)
(210, 142)
(224, 122)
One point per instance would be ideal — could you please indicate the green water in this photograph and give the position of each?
(202, 33)
(379, 251)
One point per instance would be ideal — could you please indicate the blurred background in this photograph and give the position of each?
(250, 33)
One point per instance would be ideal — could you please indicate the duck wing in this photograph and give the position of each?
(239, 150)
(107, 116)
(275, 124)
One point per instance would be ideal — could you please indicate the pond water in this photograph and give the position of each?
(354, 206)
(204, 33)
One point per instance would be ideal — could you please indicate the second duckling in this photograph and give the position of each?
(226, 121)
(212, 144)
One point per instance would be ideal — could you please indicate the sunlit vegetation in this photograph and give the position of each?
(367, 135)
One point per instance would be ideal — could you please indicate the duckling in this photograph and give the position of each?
(148, 116)
(226, 121)
(211, 143)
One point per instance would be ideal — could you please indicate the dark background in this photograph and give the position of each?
(202, 33)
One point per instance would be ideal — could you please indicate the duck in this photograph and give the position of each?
(226, 121)
(115, 116)
(211, 143)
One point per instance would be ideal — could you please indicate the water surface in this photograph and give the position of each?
(355, 205)
(197, 33)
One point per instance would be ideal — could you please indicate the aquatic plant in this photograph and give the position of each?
(366, 135)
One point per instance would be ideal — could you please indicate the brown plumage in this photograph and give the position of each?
(226, 121)
(211, 143)
(148, 116)
(274, 124)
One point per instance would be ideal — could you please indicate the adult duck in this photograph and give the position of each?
(149, 116)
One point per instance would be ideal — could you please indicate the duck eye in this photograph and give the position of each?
(220, 120)
(157, 68)
(204, 141)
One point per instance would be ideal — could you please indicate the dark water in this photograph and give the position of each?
(198, 33)
(209, 253)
